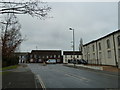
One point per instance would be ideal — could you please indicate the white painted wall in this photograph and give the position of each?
(103, 57)
(68, 57)
(117, 48)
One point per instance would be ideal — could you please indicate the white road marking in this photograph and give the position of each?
(73, 75)
(35, 82)
(41, 82)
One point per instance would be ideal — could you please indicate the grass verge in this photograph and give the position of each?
(9, 67)
(6, 72)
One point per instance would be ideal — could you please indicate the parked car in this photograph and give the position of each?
(82, 61)
(73, 61)
(51, 61)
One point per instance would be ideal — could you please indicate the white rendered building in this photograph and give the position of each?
(104, 51)
(69, 55)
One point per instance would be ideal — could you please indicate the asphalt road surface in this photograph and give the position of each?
(59, 76)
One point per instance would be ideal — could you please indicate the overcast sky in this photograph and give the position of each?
(90, 20)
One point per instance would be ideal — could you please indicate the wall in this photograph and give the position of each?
(101, 56)
(117, 48)
(68, 57)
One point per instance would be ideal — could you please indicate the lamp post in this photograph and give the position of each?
(73, 45)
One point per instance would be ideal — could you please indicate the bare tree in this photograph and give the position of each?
(10, 35)
(32, 7)
(10, 27)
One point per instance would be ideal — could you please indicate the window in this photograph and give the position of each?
(23, 57)
(35, 56)
(88, 49)
(100, 55)
(93, 48)
(85, 50)
(54, 56)
(77, 56)
(65, 56)
(118, 53)
(118, 40)
(71, 56)
(30, 56)
(65, 60)
(109, 54)
(58, 56)
(108, 43)
(99, 45)
(47, 57)
(44, 56)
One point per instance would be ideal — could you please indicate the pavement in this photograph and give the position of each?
(22, 77)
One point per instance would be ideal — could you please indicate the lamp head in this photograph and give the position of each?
(70, 28)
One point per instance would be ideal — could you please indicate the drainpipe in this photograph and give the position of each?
(115, 51)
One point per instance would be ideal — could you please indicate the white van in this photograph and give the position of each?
(52, 61)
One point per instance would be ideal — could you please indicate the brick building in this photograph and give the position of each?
(44, 55)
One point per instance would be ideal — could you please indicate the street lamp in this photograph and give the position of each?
(73, 45)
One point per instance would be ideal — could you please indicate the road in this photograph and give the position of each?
(59, 76)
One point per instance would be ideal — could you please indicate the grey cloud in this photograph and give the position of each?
(90, 21)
